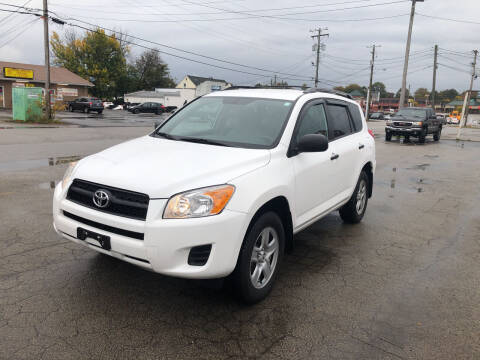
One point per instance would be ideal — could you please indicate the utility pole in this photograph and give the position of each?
(47, 60)
(434, 83)
(369, 93)
(275, 81)
(407, 55)
(318, 36)
(466, 103)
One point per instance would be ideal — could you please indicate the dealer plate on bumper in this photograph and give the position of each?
(103, 240)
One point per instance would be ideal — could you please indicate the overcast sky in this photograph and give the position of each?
(281, 43)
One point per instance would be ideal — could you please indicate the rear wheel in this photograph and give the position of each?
(352, 212)
(388, 136)
(99, 112)
(259, 259)
(85, 110)
(70, 108)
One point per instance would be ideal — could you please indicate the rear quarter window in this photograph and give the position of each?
(356, 117)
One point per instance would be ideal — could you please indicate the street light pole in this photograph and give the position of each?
(407, 55)
(47, 60)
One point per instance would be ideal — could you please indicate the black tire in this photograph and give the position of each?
(421, 137)
(100, 111)
(85, 110)
(350, 212)
(388, 136)
(136, 111)
(70, 108)
(437, 134)
(243, 284)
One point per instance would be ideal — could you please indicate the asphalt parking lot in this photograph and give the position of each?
(403, 284)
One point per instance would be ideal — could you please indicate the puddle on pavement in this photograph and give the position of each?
(422, 167)
(37, 163)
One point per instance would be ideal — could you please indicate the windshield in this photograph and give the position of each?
(231, 121)
(418, 113)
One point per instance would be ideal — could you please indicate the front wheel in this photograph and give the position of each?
(352, 212)
(70, 108)
(259, 259)
(437, 135)
(388, 136)
(136, 111)
(421, 137)
(99, 112)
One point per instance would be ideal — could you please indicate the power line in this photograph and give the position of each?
(217, 12)
(449, 19)
(454, 68)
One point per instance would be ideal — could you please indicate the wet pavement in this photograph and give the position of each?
(403, 284)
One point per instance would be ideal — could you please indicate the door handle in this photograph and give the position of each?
(361, 146)
(334, 156)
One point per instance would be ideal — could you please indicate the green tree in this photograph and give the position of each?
(97, 57)
(407, 93)
(379, 86)
(447, 95)
(422, 94)
(151, 72)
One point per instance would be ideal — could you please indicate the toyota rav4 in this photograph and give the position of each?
(220, 188)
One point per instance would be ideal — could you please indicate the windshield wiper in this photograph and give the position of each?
(201, 141)
(166, 136)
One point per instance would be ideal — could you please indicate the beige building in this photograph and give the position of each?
(65, 85)
(202, 85)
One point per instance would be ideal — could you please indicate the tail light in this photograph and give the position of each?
(371, 133)
(163, 107)
(90, 103)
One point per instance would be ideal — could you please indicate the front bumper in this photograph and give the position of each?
(166, 243)
(412, 131)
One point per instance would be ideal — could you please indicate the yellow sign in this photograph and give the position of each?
(29, 85)
(17, 73)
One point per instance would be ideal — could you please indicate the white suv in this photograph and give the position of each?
(222, 186)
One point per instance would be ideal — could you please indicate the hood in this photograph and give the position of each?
(161, 168)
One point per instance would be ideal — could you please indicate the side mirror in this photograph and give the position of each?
(312, 143)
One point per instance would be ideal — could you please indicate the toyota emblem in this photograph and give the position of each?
(101, 199)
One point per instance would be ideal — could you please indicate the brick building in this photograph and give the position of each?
(64, 84)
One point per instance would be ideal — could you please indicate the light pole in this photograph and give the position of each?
(407, 55)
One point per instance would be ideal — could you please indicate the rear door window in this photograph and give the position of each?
(356, 117)
(338, 121)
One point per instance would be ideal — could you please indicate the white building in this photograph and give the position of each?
(202, 85)
(167, 97)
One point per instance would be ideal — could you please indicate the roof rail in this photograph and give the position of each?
(335, 92)
(236, 87)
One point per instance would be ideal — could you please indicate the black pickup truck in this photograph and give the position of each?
(86, 105)
(414, 122)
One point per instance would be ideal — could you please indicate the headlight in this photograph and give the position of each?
(68, 173)
(389, 122)
(197, 203)
(417, 123)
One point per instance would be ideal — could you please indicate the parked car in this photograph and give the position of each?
(376, 116)
(414, 122)
(387, 116)
(221, 187)
(148, 107)
(86, 105)
(453, 120)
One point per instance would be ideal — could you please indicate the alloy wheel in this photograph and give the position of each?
(264, 257)
(361, 197)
